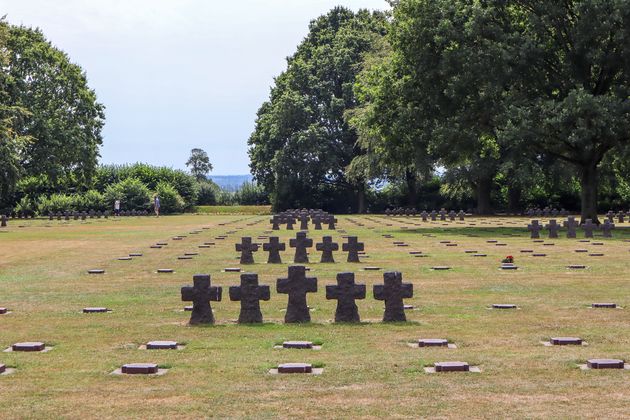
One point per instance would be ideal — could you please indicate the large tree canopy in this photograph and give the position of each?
(302, 144)
(63, 120)
(493, 82)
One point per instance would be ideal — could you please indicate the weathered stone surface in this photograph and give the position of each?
(140, 369)
(566, 341)
(297, 345)
(588, 227)
(297, 285)
(250, 293)
(605, 364)
(553, 228)
(608, 305)
(95, 310)
(295, 368)
(432, 342)
(571, 224)
(273, 248)
(352, 247)
(301, 243)
(327, 247)
(29, 346)
(162, 345)
(393, 291)
(247, 249)
(201, 294)
(346, 292)
(534, 229)
(451, 367)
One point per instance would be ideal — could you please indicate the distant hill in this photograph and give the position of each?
(230, 182)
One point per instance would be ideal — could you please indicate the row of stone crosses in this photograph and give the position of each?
(76, 215)
(291, 217)
(296, 285)
(301, 244)
(443, 214)
(571, 224)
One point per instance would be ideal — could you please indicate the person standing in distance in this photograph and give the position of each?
(156, 205)
(117, 208)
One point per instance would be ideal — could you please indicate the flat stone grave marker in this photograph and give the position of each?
(305, 368)
(470, 251)
(607, 305)
(504, 306)
(371, 268)
(300, 345)
(162, 345)
(480, 255)
(232, 270)
(165, 270)
(597, 243)
(581, 251)
(576, 267)
(96, 310)
(433, 342)
(184, 257)
(139, 369)
(492, 241)
(29, 346)
(509, 266)
(539, 255)
(96, 271)
(566, 341)
(440, 268)
(135, 254)
(527, 251)
(598, 254)
(3, 311)
(162, 243)
(605, 364)
(125, 259)
(440, 367)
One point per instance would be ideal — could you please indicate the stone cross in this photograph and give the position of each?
(620, 217)
(3, 221)
(331, 222)
(535, 229)
(553, 227)
(250, 293)
(303, 222)
(452, 215)
(433, 215)
(317, 221)
(393, 291)
(607, 228)
(424, 215)
(274, 247)
(201, 293)
(461, 215)
(588, 226)
(327, 246)
(247, 248)
(297, 285)
(275, 223)
(442, 214)
(352, 247)
(346, 291)
(610, 216)
(300, 243)
(290, 221)
(571, 224)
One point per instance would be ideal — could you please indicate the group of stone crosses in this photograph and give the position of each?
(546, 212)
(301, 243)
(571, 225)
(76, 215)
(296, 285)
(291, 217)
(443, 214)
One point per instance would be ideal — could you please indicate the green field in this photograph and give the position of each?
(369, 368)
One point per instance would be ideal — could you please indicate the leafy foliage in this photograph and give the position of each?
(132, 193)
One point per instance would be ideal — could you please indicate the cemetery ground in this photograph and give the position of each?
(369, 368)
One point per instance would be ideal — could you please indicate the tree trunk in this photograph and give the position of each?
(484, 188)
(412, 188)
(515, 194)
(589, 183)
(361, 198)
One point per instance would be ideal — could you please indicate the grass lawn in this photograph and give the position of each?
(369, 370)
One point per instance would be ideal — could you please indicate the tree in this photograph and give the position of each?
(199, 164)
(63, 118)
(302, 145)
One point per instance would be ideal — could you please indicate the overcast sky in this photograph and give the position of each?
(177, 74)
